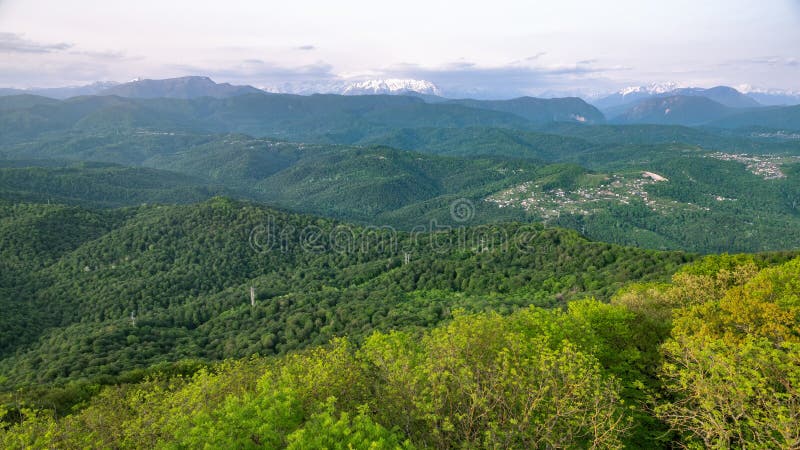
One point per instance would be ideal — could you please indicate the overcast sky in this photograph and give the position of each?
(493, 48)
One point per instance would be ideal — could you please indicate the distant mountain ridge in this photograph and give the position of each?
(62, 93)
(675, 110)
(370, 108)
(690, 110)
(631, 94)
(183, 87)
(772, 97)
(616, 103)
(612, 105)
(391, 87)
(689, 106)
(328, 118)
(723, 95)
(541, 110)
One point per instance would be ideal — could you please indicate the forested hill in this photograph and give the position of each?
(74, 278)
(707, 201)
(99, 184)
(710, 359)
(306, 118)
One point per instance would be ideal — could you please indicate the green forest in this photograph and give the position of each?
(369, 272)
(709, 358)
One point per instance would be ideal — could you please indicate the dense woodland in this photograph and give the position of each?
(709, 359)
(336, 272)
(76, 276)
(378, 185)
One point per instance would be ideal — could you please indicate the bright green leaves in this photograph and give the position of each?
(494, 382)
(328, 430)
(527, 380)
(733, 365)
(713, 356)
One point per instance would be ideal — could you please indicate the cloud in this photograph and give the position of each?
(772, 61)
(103, 54)
(465, 78)
(16, 43)
(262, 73)
(52, 73)
(536, 56)
(460, 78)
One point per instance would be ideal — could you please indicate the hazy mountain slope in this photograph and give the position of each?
(11, 91)
(184, 87)
(539, 110)
(674, 110)
(650, 134)
(779, 118)
(495, 142)
(775, 97)
(616, 103)
(317, 117)
(364, 184)
(99, 185)
(62, 92)
(723, 95)
(631, 94)
(24, 101)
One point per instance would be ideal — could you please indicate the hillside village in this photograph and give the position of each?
(623, 189)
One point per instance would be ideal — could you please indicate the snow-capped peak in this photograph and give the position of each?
(653, 88)
(391, 86)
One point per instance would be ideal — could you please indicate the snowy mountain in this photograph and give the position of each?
(771, 97)
(724, 95)
(624, 103)
(631, 94)
(652, 89)
(392, 86)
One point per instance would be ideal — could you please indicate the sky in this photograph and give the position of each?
(490, 49)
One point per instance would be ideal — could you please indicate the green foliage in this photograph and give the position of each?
(483, 380)
(472, 142)
(707, 205)
(781, 118)
(709, 359)
(133, 327)
(185, 273)
(97, 185)
(732, 365)
(323, 430)
(540, 110)
(290, 117)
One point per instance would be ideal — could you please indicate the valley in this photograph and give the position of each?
(193, 263)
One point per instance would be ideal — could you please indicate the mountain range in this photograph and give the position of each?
(772, 97)
(391, 87)
(61, 93)
(200, 86)
(674, 110)
(184, 87)
(391, 256)
(725, 95)
(326, 118)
